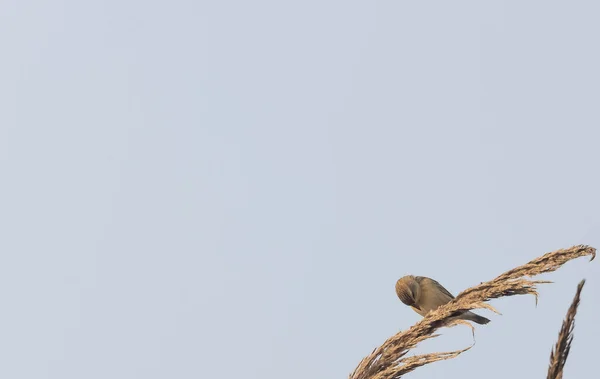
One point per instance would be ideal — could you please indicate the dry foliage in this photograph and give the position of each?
(559, 355)
(389, 360)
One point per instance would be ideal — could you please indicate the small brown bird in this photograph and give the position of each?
(425, 294)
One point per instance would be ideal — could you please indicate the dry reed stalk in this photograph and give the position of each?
(388, 361)
(559, 355)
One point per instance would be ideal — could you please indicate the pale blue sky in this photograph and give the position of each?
(196, 189)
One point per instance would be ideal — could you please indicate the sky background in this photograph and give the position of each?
(195, 189)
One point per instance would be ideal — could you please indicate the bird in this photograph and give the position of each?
(424, 295)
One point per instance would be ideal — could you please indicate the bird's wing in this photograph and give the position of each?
(441, 287)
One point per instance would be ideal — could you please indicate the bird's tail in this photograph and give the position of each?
(475, 318)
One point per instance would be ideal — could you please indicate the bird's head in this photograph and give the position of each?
(408, 291)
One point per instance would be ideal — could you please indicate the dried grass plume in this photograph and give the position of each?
(389, 361)
(559, 355)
